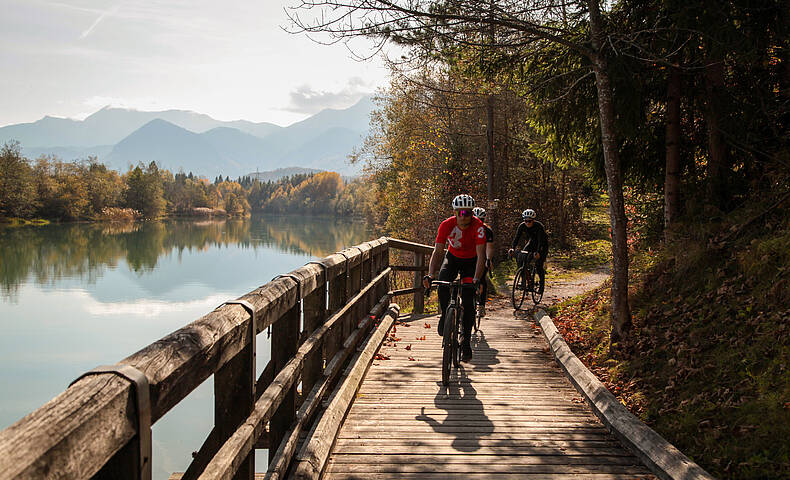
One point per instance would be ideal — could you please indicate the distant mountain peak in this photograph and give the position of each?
(196, 142)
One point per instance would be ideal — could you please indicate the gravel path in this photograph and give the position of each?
(556, 290)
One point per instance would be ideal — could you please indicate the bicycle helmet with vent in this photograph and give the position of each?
(528, 213)
(479, 212)
(463, 201)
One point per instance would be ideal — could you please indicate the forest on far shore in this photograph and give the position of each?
(50, 188)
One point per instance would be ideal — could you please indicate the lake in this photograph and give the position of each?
(76, 296)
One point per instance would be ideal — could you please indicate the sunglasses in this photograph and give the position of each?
(465, 213)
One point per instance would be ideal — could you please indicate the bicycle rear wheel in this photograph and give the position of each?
(518, 292)
(535, 281)
(448, 344)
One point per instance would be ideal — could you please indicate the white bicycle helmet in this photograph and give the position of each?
(463, 201)
(528, 213)
(479, 212)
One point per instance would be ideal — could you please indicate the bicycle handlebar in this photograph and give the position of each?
(452, 284)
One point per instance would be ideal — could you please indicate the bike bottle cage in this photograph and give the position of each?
(467, 280)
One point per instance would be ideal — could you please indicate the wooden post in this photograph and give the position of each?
(357, 310)
(419, 297)
(384, 262)
(314, 317)
(337, 298)
(285, 341)
(124, 465)
(234, 397)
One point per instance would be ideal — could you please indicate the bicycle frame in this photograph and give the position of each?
(453, 319)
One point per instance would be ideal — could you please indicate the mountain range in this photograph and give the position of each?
(194, 142)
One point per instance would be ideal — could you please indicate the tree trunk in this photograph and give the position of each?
(621, 311)
(672, 173)
(563, 219)
(491, 156)
(717, 150)
(490, 145)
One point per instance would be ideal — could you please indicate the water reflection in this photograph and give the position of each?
(47, 254)
(80, 295)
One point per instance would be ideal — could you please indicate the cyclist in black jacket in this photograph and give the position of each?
(537, 243)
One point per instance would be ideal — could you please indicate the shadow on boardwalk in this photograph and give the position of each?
(463, 408)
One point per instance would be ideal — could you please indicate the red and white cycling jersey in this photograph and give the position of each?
(462, 243)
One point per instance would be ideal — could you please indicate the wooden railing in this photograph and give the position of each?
(422, 255)
(100, 426)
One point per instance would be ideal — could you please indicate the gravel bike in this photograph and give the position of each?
(526, 280)
(451, 335)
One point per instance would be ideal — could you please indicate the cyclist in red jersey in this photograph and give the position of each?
(465, 237)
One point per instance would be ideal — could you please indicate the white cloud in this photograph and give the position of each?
(306, 99)
(148, 308)
(71, 56)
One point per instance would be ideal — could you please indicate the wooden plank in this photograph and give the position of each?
(486, 476)
(508, 452)
(496, 467)
(510, 413)
(405, 291)
(313, 455)
(236, 449)
(314, 316)
(663, 458)
(409, 246)
(439, 460)
(419, 297)
(533, 441)
(234, 398)
(281, 459)
(284, 344)
(242, 441)
(409, 268)
(556, 435)
(311, 276)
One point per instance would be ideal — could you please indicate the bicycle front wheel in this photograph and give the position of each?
(448, 343)
(518, 291)
(457, 337)
(537, 287)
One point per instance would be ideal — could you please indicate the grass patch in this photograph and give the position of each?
(586, 257)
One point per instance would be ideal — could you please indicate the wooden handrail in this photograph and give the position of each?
(279, 462)
(84, 429)
(242, 442)
(313, 455)
(409, 246)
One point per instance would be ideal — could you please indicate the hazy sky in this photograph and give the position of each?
(226, 58)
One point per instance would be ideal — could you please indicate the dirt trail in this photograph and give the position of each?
(556, 290)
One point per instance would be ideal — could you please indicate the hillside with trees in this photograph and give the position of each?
(679, 112)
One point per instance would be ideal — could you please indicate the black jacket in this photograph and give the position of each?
(537, 240)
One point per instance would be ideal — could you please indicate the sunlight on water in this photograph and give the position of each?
(76, 296)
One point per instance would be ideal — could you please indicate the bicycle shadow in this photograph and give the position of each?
(485, 356)
(466, 419)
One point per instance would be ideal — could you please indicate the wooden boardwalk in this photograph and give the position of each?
(510, 413)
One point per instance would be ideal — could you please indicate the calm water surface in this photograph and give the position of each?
(76, 296)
